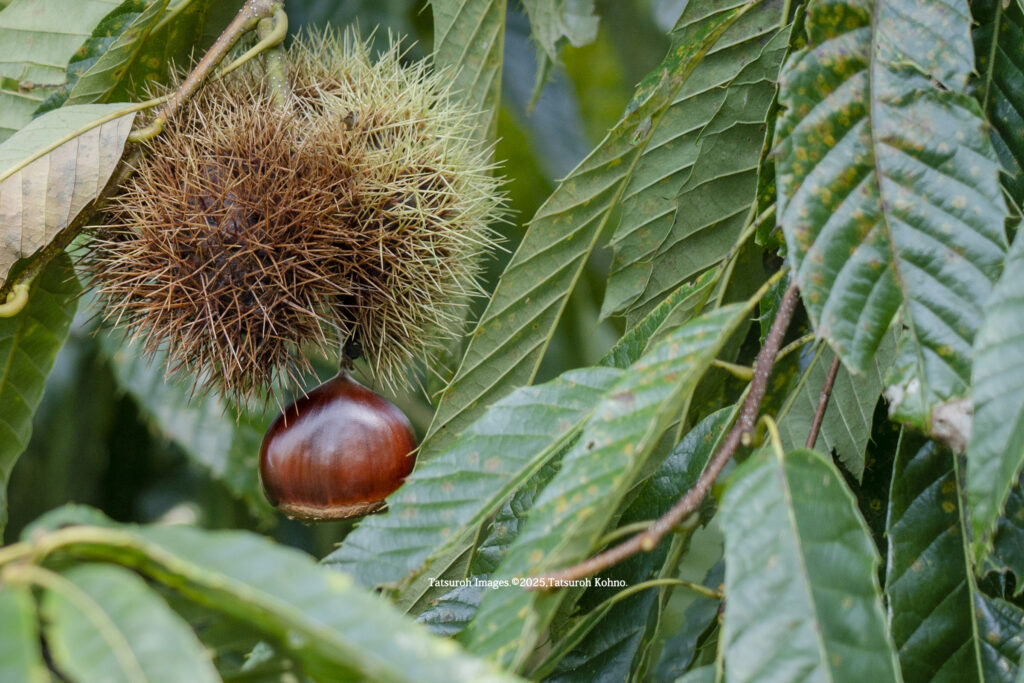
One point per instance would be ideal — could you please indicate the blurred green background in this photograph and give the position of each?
(93, 443)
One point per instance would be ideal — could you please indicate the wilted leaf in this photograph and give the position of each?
(691, 191)
(801, 576)
(29, 343)
(52, 169)
(889, 193)
(574, 509)
(39, 38)
(104, 623)
(507, 346)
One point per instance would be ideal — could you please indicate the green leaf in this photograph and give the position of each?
(508, 344)
(100, 79)
(450, 614)
(210, 432)
(105, 624)
(801, 576)
(458, 489)
(677, 308)
(182, 34)
(998, 38)
(946, 630)
(337, 630)
(572, 512)
(615, 646)
(550, 22)
(846, 426)
(469, 38)
(704, 674)
(691, 191)
(553, 20)
(39, 39)
(1007, 553)
(52, 169)
(995, 455)
(889, 193)
(1001, 626)
(67, 458)
(20, 657)
(29, 343)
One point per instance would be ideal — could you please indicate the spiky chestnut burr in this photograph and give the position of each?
(336, 452)
(257, 226)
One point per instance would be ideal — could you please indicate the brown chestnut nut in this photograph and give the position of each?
(336, 452)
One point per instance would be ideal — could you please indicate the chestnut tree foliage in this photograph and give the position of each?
(638, 337)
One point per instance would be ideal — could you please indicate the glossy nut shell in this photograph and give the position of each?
(336, 452)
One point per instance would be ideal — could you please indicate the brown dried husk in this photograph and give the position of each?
(253, 233)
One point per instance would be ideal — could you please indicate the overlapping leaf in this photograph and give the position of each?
(888, 190)
(52, 169)
(801, 577)
(553, 20)
(20, 657)
(927, 581)
(100, 75)
(1001, 631)
(945, 628)
(337, 630)
(1007, 552)
(39, 39)
(573, 510)
(677, 308)
(615, 646)
(29, 343)
(458, 489)
(998, 38)
(692, 188)
(996, 451)
(846, 427)
(509, 341)
(104, 623)
(209, 432)
(184, 30)
(469, 37)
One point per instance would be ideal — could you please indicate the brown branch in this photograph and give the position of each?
(819, 412)
(247, 19)
(647, 540)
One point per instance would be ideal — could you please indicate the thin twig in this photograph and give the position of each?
(819, 413)
(648, 540)
(246, 19)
